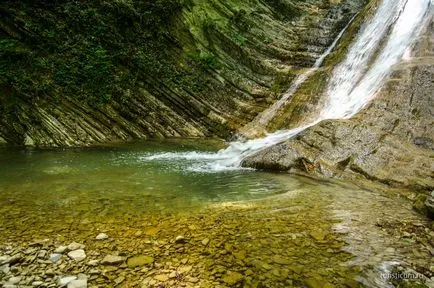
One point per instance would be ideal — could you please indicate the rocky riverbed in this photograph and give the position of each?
(329, 236)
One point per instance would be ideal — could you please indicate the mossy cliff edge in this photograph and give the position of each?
(76, 73)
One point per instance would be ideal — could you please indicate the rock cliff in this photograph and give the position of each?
(390, 141)
(79, 73)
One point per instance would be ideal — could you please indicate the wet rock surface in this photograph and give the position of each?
(390, 141)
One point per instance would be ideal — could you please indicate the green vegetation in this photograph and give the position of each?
(91, 50)
(97, 50)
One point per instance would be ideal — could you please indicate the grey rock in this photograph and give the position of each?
(37, 283)
(77, 255)
(60, 249)
(14, 280)
(10, 259)
(82, 276)
(382, 143)
(94, 272)
(63, 281)
(4, 259)
(101, 236)
(42, 254)
(75, 246)
(55, 257)
(5, 269)
(79, 283)
(93, 262)
(112, 260)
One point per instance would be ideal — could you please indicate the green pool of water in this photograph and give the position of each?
(118, 178)
(275, 229)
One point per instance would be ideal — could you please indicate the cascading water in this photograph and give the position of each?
(354, 82)
(268, 114)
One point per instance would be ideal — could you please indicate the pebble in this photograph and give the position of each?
(42, 254)
(75, 246)
(5, 269)
(119, 280)
(280, 260)
(37, 283)
(191, 279)
(50, 272)
(55, 257)
(232, 278)
(161, 277)
(93, 263)
(65, 280)
(4, 259)
(112, 260)
(185, 269)
(82, 283)
(140, 260)
(205, 241)
(14, 280)
(180, 239)
(77, 255)
(60, 249)
(101, 236)
(94, 272)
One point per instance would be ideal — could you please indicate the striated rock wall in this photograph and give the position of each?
(224, 61)
(390, 141)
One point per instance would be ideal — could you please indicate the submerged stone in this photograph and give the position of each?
(232, 278)
(318, 235)
(180, 239)
(161, 277)
(280, 260)
(101, 236)
(79, 283)
(14, 280)
(77, 255)
(55, 257)
(65, 280)
(139, 260)
(75, 246)
(112, 260)
(60, 249)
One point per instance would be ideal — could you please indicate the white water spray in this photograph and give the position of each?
(354, 83)
(268, 114)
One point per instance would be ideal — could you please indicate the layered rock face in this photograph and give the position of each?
(390, 141)
(210, 67)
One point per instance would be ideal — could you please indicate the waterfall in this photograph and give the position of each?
(380, 44)
(268, 114)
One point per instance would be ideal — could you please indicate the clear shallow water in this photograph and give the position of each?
(122, 175)
(287, 230)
